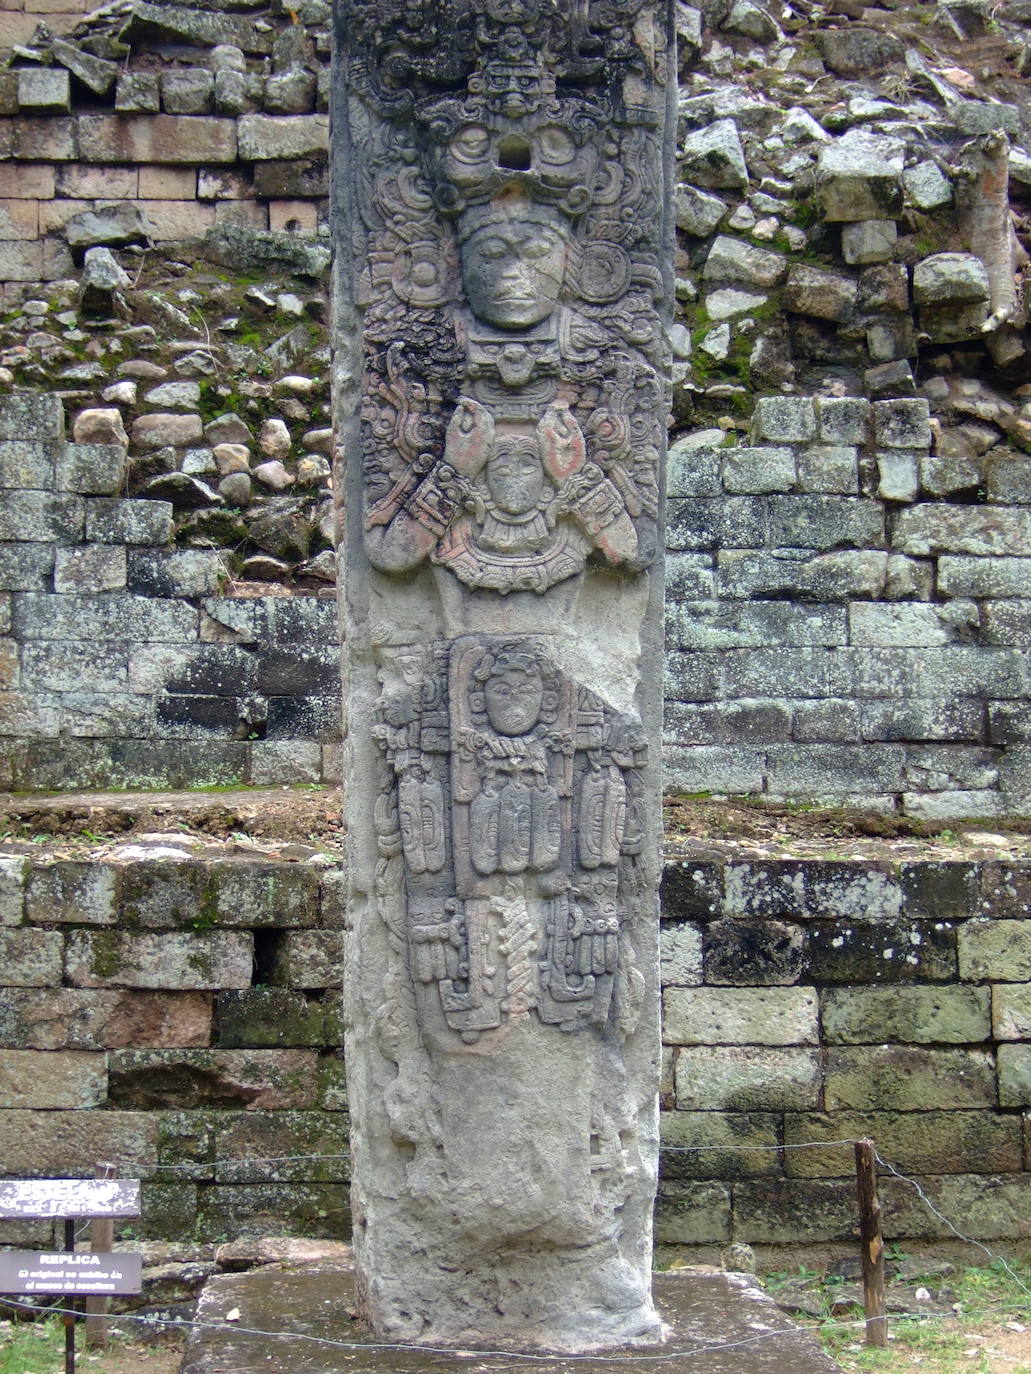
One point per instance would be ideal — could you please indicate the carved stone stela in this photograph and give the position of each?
(502, 279)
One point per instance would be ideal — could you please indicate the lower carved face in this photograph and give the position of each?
(515, 477)
(512, 271)
(513, 698)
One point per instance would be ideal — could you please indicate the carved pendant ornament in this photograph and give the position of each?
(508, 207)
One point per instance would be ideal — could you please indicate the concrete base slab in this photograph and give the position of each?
(299, 1320)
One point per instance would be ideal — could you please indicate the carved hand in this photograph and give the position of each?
(469, 438)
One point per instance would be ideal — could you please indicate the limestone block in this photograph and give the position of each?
(26, 715)
(991, 1207)
(69, 1079)
(823, 295)
(747, 1078)
(19, 219)
(689, 575)
(980, 577)
(66, 890)
(138, 93)
(169, 220)
(44, 139)
(916, 1142)
(983, 531)
(13, 870)
(926, 186)
(94, 1019)
(714, 158)
(264, 137)
(842, 419)
(93, 469)
(1007, 478)
(691, 891)
(44, 90)
(950, 278)
(825, 722)
(53, 1144)
(699, 769)
(901, 424)
(33, 516)
(868, 241)
(27, 465)
(739, 951)
(825, 521)
(293, 217)
(976, 117)
(790, 1211)
(732, 260)
(129, 522)
(835, 770)
(187, 91)
(270, 1017)
(923, 719)
(740, 1016)
(920, 1015)
(1011, 1011)
(21, 261)
(898, 476)
(310, 959)
(680, 956)
(186, 961)
(270, 894)
(1014, 1075)
(1005, 889)
(180, 572)
(859, 177)
(881, 952)
(159, 138)
(301, 177)
(27, 182)
(693, 1213)
(758, 470)
(996, 951)
(784, 419)
(88, 569)
(704, 1133)
(697, 213)
(318, 1140)
(828, 468)
(258, 1079)
(168, 183)
(902, 623)
(908, 1079)
(290, 92)
(30, 958)
(25, 567)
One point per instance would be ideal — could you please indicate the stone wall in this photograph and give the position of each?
(178, 1011)
(850, 532)
(126, 661)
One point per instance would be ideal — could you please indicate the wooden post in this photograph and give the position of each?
(871, 1244)
(102, 1236)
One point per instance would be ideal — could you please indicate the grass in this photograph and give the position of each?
(989, 1331)
(37, 1347)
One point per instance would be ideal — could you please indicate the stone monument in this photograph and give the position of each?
(503, 251)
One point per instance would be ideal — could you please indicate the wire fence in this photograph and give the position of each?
(523, 1357)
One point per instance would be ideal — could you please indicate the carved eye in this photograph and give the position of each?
(491, 248)
(555, 145)
(470, 144)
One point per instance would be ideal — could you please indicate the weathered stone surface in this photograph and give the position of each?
(750, 952)
(860, 177)
(69, 1079)
(822, 294)
(57, 1018)
(732, 260)
(996, 951)
(740, 1016)
(917, 1142)
(185, 1078)
(272, 1017)
(267, 137)
(908, 1079)
(150, 960)
(703, 1309)
(748, 1078)
(54, 1143)
(713, 157)
(950, 278)
(162, 138)
(506, 603)
(926, 1015)
(30, 958)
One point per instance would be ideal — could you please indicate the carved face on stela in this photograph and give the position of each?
(514, 257)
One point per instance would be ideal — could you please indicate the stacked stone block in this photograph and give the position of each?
(810, 1001)
(181, 1016)
(181, 1019)
(233, 131)
(836, 630)
(122, 664)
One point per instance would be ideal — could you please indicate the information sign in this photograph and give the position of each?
(85, 1274)
(69, 1197)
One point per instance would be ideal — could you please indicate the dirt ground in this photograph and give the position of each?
(311, 817)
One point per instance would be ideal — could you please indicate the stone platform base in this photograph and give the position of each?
(720, 1324)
